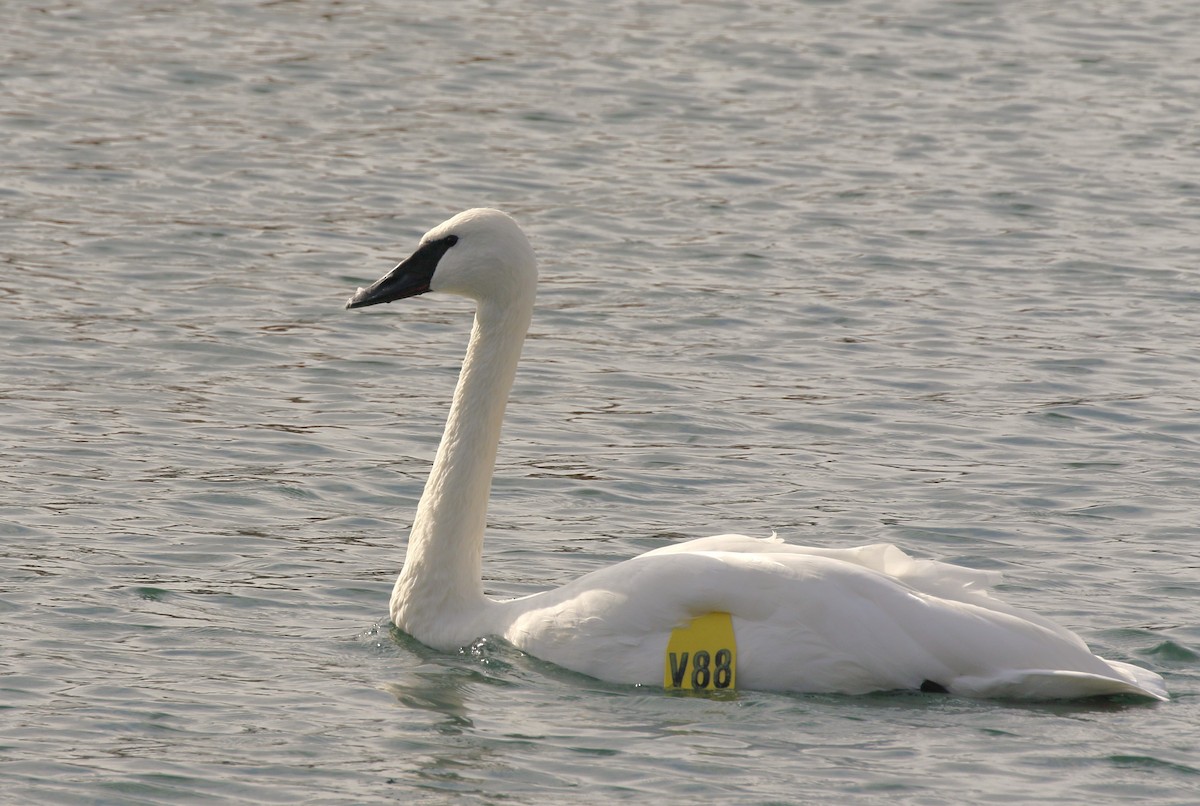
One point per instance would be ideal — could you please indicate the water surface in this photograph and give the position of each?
(922, 273)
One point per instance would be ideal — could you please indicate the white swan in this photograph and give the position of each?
(802, 619)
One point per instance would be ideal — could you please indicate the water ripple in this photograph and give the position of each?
(923, 274)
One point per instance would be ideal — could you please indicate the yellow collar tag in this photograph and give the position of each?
(702, 656)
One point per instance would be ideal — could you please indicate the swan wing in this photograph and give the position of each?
(940, 579)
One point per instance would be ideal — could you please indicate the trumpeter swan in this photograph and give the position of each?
(725, 611)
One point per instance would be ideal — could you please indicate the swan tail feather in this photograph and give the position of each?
(1053, 684)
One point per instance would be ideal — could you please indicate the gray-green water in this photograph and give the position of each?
(917, 272)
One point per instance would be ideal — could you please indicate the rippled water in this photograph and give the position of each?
(911, 271)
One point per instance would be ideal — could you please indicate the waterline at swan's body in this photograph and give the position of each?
(805, 619)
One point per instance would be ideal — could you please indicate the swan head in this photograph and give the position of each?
(481, 254)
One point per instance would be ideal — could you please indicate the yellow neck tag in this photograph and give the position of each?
(702, 655)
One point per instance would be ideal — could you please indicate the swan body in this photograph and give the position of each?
(848, 620)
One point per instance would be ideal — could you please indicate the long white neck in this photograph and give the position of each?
(438, 598)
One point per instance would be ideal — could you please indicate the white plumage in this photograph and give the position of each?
(805, 619)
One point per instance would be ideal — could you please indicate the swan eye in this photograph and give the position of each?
(450, 240)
